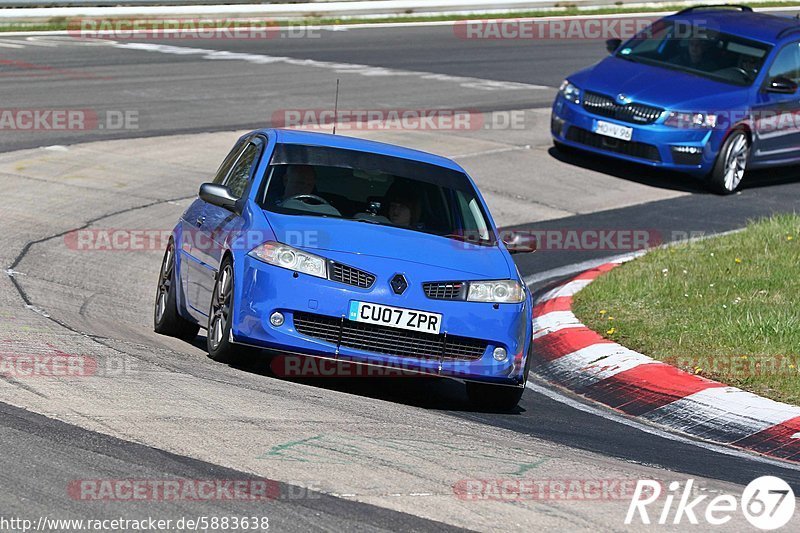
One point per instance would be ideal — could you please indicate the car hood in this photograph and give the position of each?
(659, 86)
(318, 234)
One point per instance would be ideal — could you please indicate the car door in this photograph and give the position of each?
(218, 222)
(777, 115)
(193, 273)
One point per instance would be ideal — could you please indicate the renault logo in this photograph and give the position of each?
(399, 284)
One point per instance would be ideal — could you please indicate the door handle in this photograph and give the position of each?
(199, 221)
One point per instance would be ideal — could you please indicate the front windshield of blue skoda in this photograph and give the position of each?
(692, 48)
(375, 189)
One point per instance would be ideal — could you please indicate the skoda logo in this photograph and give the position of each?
(622, 99)
(399, 284)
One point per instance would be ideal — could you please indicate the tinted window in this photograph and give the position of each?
(225, 167)
(787, 63)
(237, 180)
(691, 48)
(372, 196)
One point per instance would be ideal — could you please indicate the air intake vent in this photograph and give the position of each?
(386, 340)
(445, 290)
(350, 275)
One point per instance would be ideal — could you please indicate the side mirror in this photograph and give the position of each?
(218, 195)
(612, 45)
(519, 242)
(781, 85)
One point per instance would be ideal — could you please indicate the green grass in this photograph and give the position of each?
(726, 308)
(61, 23)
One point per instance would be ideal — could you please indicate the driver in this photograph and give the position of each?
(299, 191)
(750, 64)
(299, 179)
(698, 54)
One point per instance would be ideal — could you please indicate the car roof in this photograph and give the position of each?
(352, 143)
(751, 25)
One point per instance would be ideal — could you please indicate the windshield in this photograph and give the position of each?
(697, 50)
(375, 189)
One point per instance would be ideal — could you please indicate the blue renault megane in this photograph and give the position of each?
(711, 91)
(359, 251)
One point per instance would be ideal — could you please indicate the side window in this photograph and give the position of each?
(237, 180)
(225, 167)
(472, 215)
(787, 63)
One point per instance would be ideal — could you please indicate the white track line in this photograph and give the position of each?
(592, 364)
(576, 268)
(620, 419)
(343, 68)
(568, 289)
(555, 321)
(723, 409)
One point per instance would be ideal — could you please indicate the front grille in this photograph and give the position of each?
(603, 105)
(386, 340)
(630, 148)
(445, 290)
(350, 275)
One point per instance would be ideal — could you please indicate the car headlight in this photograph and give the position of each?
(678, 119)
(570, 92)
(290, 258)
(500, 291)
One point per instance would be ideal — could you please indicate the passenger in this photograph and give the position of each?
(400, 213)
(403, 206)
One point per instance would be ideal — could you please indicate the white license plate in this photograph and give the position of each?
(395, 317)
(610, 129)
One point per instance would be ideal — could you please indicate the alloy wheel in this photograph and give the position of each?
(165, 283)
(735, 162)
(220, 307)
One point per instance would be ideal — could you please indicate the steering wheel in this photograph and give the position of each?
(738, 70)
(310, 199)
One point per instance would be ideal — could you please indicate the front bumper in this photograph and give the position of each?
(682, 149)
(315, 312)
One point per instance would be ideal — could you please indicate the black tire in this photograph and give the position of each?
(729, 168)
(499, 397)
(220, 314)
(493, 397)
(166, 319)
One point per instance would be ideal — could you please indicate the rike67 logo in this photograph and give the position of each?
(767, 503)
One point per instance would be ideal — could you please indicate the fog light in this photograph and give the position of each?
(276, 319)
(687, 155)
(556, 124)
(499, 354)
(687, 149)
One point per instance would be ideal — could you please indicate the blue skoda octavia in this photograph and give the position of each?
(711, 91)
(346, 249)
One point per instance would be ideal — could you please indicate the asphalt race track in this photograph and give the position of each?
(345, 454)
